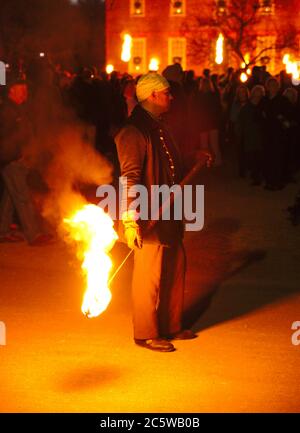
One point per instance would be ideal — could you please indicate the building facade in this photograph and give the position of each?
(185, 31)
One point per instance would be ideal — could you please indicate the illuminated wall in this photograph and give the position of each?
(159, 31)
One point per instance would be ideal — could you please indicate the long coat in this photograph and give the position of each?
(148, 156)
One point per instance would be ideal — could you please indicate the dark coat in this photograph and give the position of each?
(143, 160)
(15, 132)
(207, 111)
(251, 127)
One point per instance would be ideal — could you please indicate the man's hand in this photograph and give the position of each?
(205, 157)
(133, 236)
(132, 230)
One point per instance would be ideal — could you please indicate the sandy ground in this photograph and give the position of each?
(247, 257)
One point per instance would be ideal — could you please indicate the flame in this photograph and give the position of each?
(286, 59)
(93, 231)
(247, 61)
(243, 77)
(109, 69)
(154, 64)
(219, 49)
(126, 48)
(291, 68)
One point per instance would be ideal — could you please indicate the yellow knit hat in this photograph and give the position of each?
(148, 83)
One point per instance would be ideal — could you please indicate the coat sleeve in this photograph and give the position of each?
(131, 147)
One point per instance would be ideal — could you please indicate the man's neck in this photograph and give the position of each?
(151, 111)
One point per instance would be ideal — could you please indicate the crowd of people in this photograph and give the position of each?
(255, 123)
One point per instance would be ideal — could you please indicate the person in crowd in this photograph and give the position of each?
(207, 113)
(251, 134)
(256, 77)
(129, 95)
(291, 151)
(16, 134)
(176, 116)
(277, 112)
(240, 100)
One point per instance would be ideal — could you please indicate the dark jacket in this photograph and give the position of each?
(143, 160)
(15, 132)
(251, 127)
(207, 111)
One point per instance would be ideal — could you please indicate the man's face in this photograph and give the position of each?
(162, 100)
(18, 93)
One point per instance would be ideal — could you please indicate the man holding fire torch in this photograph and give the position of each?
(148, 156)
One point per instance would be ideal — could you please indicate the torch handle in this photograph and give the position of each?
(186, 180)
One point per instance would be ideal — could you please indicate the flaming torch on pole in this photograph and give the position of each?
(126, 48)
(92, 229)
(219, 49)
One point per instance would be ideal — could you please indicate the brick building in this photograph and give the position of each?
(182, 31)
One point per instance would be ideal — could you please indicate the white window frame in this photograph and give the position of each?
(171, 56)
(173, 9)
(132, 67)
(133, 10)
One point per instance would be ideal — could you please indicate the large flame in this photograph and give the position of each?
(243, 77)
(109, 68)
(93, 231)
(291, 68)
(219, 49)
(246, 62)
(126, 48)
(154, 64)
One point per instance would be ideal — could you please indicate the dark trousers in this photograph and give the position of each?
(274, 161)
(16, 196)
(157, 290)
(254, 164)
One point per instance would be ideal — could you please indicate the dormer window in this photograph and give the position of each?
(177, 8)
(221, 7)
(266, 7)
(137, 8)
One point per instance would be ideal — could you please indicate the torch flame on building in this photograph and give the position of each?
(243, 77)
(92, 229)
(219, 49)
(109, 68)
(291, 67)
(126, 48)
(154, 64)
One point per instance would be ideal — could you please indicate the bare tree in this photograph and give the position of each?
(240, 23)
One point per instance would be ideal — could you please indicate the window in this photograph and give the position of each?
(137, 8)
(267, 57)
(177, 8)
(137, 63)
(177, 51)
(266, 7)
(220, 7)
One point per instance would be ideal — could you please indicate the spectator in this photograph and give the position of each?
(16, 135)
(241, 99)
(207, 117)
(250, 128)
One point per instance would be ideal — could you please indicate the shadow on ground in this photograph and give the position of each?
(215, 262)
(88, 378)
